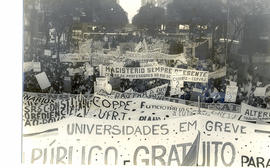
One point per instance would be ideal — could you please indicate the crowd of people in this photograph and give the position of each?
(211, 92)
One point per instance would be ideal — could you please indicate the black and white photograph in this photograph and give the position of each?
(146, 83)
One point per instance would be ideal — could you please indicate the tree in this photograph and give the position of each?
(61, 19)
(149, 17)
(60, 13)
(239, 11)
(196, 14)
(110, 14)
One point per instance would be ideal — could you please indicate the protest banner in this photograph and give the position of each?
(34, 99)
(112, 109)
(218, 73)
(44, 111)
(157, 93)
(88, 142)
(63, 96)
(137, 109)
(227, 107)
(101, 59)
(231, 93)
(220, 114)
(31, 98)
(43, 80)
(36, 66)
(260, 91)
(191, 141)
(250, 113)
(229, 143)
(75, 57)
(27, 66)
(148, 63)
(154, 56)
(47, 52)
(161, 72)
(188, 75)
(261, 59)
(122, 109)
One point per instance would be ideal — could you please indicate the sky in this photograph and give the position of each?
(131, 7)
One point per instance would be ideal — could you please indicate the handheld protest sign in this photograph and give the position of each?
(43, 80)
(231, 93)
(108, 88)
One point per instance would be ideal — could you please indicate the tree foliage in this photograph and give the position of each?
(59, 14)
(196, 12)
(110, 15)
(149, 17)
(239, 11)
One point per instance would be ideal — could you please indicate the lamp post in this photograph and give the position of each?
(227, 25)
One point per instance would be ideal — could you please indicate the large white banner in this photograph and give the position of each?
(39, 109)
(137, 109)
(82, 141)
(157, 93)
(105, 59)
(161, 72)
(229, 107)
(251, 113)
(148, 110)
(42, 110)
(43, 80)
(144, 56)
(229, 143)
(220, 114)
(35, 97)
(190, 141)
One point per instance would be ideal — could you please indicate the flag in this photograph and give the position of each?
(191, 159)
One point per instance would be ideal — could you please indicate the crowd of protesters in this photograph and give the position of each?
(211, 92)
